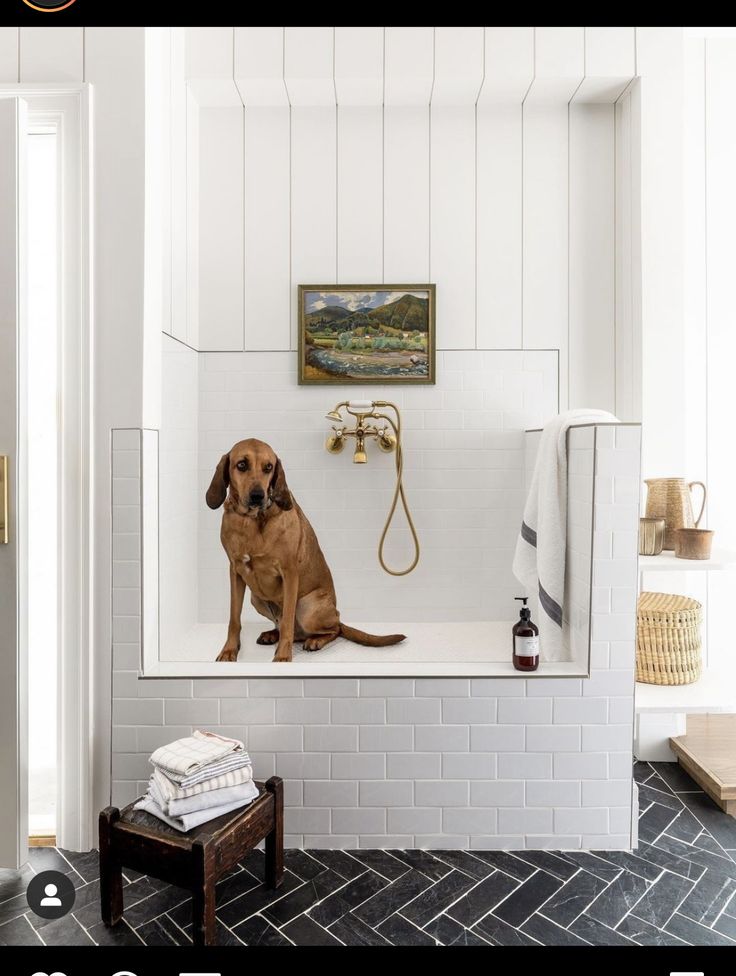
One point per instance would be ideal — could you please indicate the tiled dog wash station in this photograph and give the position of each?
(500, 165)
(502, 761)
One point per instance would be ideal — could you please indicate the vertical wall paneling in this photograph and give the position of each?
(509, 70)
(559, 67)
(509, 64)
(545, 232)
(499, 210)
(458, 77)
(313, 199)
(659, 62)
(259, 65)
(591, 315)
(409, 71)
(309, 65)
(409, 65)
(157, 251)
(267, 228)
(9, 37)
(625, 376)
(695, 324)
(360, 193)
(559, 63)
(178, 185)
(610, 63)
(215, 188)
(695, 281)
(720, 94)
(51, 54)
(406, 193)
(636, 363)
(359, 94)
(458, 65)
(192, 217)
(259, 75)
(359, 65)
(452, 223)
(310, 82)
(220, 221)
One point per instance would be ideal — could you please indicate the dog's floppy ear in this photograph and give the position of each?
(279, 489)
(220, 480)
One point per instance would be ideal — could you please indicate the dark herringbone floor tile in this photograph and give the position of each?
(677, 888)
(573, 898)
(347, 898)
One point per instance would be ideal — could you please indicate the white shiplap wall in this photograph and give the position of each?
(709, 346)
(389, 154)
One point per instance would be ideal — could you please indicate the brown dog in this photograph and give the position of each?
(272, 549)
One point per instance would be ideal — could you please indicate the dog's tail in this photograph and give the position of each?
(369, 640)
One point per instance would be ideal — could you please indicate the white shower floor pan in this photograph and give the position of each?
(465, 649)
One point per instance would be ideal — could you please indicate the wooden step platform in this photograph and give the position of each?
(707, 752)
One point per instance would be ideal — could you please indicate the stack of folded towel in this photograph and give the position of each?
(197, 779)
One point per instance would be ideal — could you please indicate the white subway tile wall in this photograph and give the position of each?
(464, 477)
(432, 762)
(179, 498)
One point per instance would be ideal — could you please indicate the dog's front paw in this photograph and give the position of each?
(283, 653)
(228, 654)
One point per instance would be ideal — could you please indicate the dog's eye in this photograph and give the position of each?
(268, 467)
(242, 465)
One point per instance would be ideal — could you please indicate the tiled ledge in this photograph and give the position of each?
(459, 649)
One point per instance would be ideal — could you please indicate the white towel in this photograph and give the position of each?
(185, 757)
(539, 560)
(237, 760)
(191, 820)
(201, 801)
(172, 791)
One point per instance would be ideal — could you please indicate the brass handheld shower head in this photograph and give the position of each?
(388, 439)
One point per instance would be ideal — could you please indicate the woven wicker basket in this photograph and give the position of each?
(668, 639)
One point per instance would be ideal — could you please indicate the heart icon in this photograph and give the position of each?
(49, 974)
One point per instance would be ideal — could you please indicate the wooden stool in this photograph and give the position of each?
(195, 860)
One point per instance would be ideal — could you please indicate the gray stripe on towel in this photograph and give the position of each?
(550, 606)
(528, 535)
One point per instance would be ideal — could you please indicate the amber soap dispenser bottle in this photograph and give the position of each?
(526, 640)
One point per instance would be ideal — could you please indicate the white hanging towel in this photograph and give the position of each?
(539, 560)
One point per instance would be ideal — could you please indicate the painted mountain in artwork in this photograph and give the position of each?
(406, 314)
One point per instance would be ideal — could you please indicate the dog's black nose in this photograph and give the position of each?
(256, 496)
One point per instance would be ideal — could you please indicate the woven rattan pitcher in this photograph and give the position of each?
(670, 499)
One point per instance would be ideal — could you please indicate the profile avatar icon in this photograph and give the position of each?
(50, 900)
(51, 894)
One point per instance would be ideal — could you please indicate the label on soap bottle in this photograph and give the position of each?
(526, 646)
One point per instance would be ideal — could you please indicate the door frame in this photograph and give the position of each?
(68, 108)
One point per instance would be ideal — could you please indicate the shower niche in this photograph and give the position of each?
(501, 163)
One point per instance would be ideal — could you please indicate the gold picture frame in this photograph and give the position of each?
(350, 334)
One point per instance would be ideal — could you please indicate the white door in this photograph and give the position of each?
(13, 691)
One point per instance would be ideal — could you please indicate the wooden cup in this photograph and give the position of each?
(693, 543)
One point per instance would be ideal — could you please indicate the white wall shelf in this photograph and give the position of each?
(668, 562)
(714, 691)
